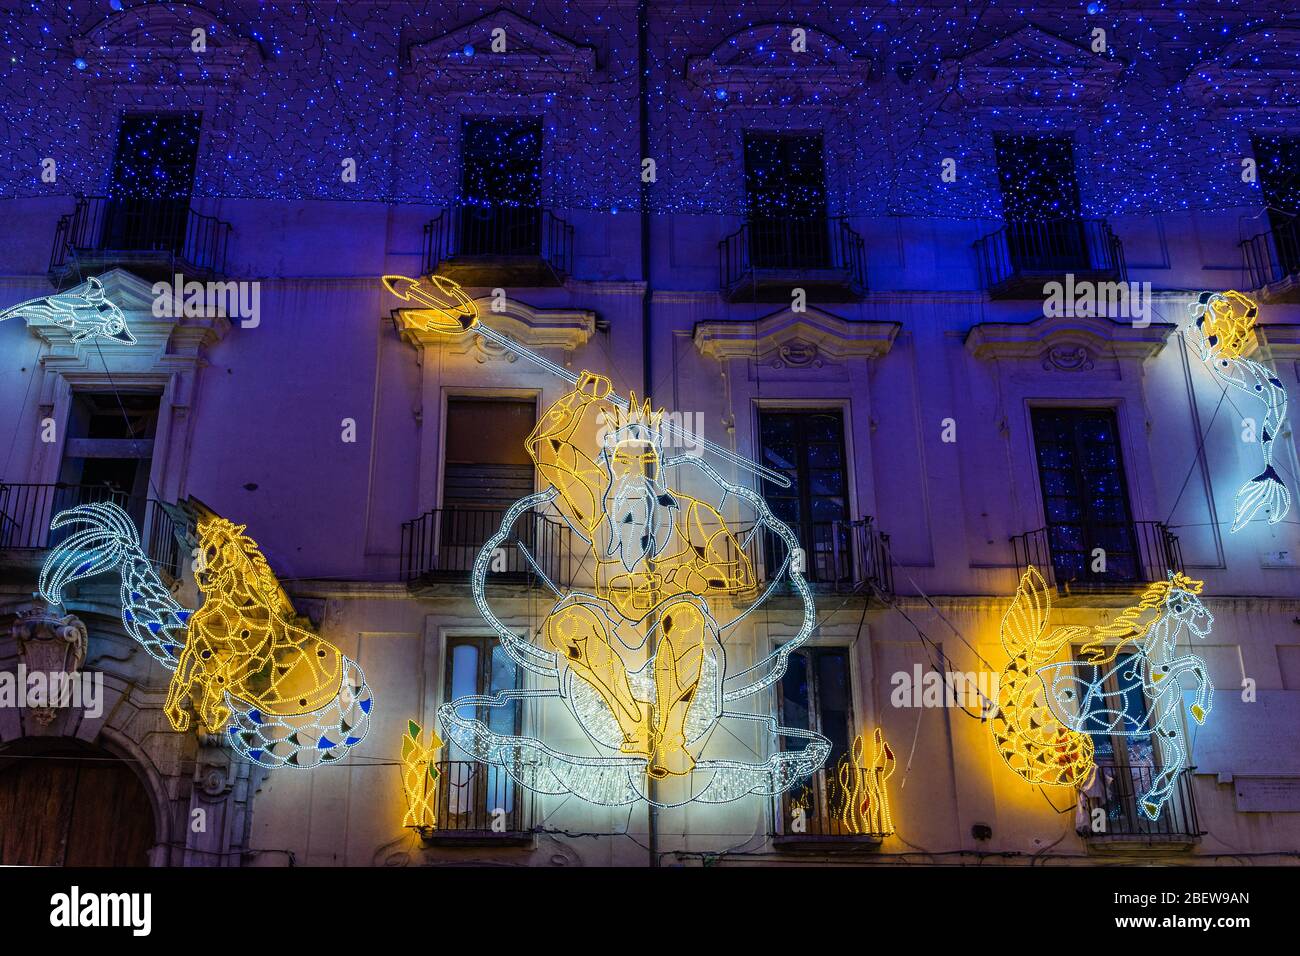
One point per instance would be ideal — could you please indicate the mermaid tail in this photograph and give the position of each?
(1264, 493)
(304, 740)
(1029, 737)
(107, 541)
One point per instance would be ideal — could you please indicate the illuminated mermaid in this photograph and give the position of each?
(1224, 331)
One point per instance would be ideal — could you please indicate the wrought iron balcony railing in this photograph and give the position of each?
(1118, 792)
(1022, 255)
(837, 555)
(101, 229)
(1132, 554)
(443, 543)
(765, 258)
(27, 509)
(474, 243)
(477, 801)
(819, 811)
(1273, 256)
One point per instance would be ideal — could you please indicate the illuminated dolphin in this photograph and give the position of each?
(85, 311)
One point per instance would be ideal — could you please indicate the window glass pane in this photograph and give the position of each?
(808, 447)
(464, 670)
(503, 720)
(794, 697)
(834, 701)
(1085, 501)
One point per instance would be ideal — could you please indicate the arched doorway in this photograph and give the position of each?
(68, 803)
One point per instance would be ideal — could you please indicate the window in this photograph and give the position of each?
(785, 184)
(1040, 202)
(108, 451)
(817, 694)
(487, 463)
(1279, 179)
(486, 470)
(153, 177)
(808, 448)
(1127, 766)
(1085, 498)
(501, 182)
(473, 794)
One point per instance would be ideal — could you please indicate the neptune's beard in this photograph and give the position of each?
(640, 516)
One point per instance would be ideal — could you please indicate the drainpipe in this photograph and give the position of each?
(647, 357)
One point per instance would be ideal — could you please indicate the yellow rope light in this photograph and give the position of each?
(242, 642)
(866, 800)
(1030, 739)
(420, 778)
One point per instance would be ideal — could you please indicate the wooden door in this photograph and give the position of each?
(66, 807)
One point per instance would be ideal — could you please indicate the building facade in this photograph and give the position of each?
(824, 240)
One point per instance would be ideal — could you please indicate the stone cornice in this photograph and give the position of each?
(535, 58)
(152, 44)
(1258, 71)
(1048, 336)
(757, 66)
(1282, 340)
(565, 329)
(795, 338)
(162, 346)
(1034, 70)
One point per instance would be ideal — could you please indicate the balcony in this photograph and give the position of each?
(818, 813)
(489, 246)
(765, 259)
(442, 543)
(1020, 258)
(27, 509)
(1136, 554)
(1118, 792)
(1272, 262)
(842, 556)
(479, 804)
(155, 238)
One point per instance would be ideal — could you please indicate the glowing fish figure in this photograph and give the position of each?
(85, 311)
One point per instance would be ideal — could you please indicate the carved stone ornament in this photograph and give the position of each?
(54, 647)
(797, 354)
(1067, 358)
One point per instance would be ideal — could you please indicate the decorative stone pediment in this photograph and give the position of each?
(1258, 71)
(1067, 344)
(162, 345)
(788, 339)
(1281, 343)
(563, 329)
(1032, 69)
(535, 58)
(155, 43)
(759, 66)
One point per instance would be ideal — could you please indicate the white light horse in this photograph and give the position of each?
(1148, 677)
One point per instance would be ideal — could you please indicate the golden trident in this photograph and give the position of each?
(450, 311)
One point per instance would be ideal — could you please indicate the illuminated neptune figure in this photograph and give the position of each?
(637, 657)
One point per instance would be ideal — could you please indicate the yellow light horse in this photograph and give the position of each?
(242, 641)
